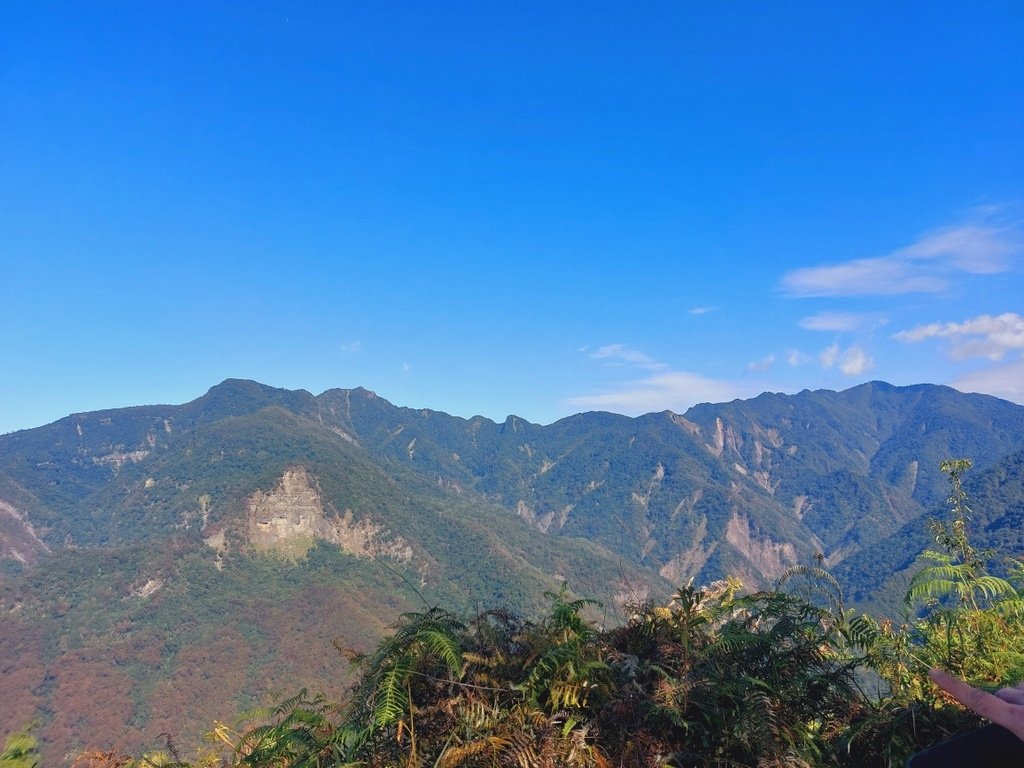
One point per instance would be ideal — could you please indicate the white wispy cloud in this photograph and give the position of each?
(926, 266)
(862, 276)
(663, 389)
(852, 361)
(671, 390)
(795, 357)
(351, 346)
(983, 336)
(977, 249)
(620, 353)
(763, 364)
(1005, 381)
(701, 310)
(828, 356)
(841, 321)
(855, 361)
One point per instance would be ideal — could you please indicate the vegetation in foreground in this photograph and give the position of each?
(715, 678)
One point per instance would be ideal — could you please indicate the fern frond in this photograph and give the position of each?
(392, 698)
(993, 586)
(443, 644)
(934, 588)
(1012, 607)
(455, 756)
(864, 632)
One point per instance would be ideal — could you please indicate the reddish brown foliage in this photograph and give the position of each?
(93, 759)
(204, 684)
(92, 706)
(305, 647)
(22, 672)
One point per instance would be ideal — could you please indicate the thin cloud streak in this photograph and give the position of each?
(663, 389)
(1005, 381)
(840, 321)
(983, 336)
(673, 390)
(884, 276)
(978, 250)
(926, 266)
(624, 354)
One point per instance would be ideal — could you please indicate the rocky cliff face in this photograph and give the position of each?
(290, 518)
(18, 539)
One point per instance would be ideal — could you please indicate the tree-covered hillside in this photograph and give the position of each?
(244, 532)
(717, 676)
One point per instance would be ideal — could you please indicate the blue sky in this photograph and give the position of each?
(504, 208)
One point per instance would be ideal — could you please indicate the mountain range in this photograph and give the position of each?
(164, 565)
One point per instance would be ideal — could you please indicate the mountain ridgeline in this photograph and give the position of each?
(748, 488)
(236, 536)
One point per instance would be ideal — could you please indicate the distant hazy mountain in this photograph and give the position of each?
(177, 561)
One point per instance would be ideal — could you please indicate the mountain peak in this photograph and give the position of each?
(236, 397)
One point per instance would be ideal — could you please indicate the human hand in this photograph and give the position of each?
(1005, 707)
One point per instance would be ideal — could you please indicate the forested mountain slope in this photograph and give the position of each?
(184, 559)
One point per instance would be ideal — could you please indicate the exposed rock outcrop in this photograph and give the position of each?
(770, 558)
(289, 520)
(18, 539)
(688, 563)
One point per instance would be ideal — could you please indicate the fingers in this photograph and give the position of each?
(1011, 695)
(1010, 716)
(970, 697)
